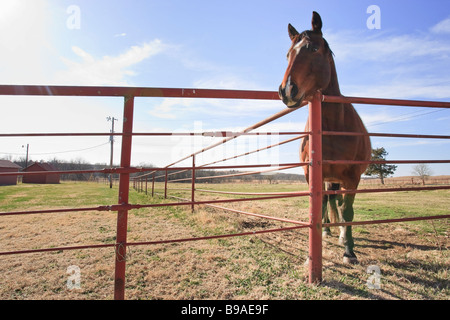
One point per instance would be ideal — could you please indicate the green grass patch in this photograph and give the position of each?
(413, 257)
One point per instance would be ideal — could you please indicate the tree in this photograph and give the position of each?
(422, 170)
(381, 170)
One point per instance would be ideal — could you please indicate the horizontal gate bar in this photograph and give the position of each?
(117, 207)
(252, 214)
(288, 166)
(139, 206)
(96, 246)
(134, 169)
(306, 224)
(240, 193)
(386, 190)
(391, 102)
(383, 161)
(95, 91)
(220, 134)
(391, 135)
(358, 223)
(220, 236)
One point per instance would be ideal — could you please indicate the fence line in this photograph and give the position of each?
(315, 193)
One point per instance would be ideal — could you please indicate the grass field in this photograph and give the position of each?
(412, 258)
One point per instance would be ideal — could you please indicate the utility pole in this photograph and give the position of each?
(26, 159)
(111, 139)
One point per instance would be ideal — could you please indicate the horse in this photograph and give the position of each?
(311, 68)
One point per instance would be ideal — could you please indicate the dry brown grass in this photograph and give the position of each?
(413, 257)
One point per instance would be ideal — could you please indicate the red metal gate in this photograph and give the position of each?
(315, 192)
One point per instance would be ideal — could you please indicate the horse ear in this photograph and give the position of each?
(292, 32)
(316, 22)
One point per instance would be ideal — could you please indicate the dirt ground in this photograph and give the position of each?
(396, 261)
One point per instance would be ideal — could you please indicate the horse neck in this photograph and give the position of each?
(333, 114)
(333, 85)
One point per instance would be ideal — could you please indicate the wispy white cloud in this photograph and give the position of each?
(359, 46)
(441, 27)
(170, 108)
(107, 70)
(395, 65)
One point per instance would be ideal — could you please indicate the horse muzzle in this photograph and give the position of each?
(288, 94)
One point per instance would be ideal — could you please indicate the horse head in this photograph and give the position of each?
(309, 64)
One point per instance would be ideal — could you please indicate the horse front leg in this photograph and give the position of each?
(325, 218)
(330, 208)
(346, 214)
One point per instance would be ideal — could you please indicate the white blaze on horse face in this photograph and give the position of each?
(288, 87)
(291, 57)
(296, 48)
(299, 45)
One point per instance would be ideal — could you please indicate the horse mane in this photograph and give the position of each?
(327, 46)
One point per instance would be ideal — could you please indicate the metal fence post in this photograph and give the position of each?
(153, 185)
(165, 186)
(124, 189)
(315, 186)
(193, 183)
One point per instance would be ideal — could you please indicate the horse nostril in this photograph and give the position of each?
(294, 90)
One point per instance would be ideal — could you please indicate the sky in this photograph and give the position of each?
(386, 49)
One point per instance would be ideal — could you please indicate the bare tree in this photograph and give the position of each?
(423, 171)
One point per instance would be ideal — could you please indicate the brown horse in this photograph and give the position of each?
(310, 69)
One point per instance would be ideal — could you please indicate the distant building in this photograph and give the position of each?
(8, 166)
(40, 178)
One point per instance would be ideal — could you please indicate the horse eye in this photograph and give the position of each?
(314, 49)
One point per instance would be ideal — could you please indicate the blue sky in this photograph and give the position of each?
(216, 44)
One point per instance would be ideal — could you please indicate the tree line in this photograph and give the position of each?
(73, 165)
(184, 176)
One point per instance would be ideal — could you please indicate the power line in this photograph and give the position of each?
(58, 152)
(405, 117)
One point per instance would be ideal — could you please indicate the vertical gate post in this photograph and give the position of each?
(153, 185)
(315, 185)
(193, 183)
(165, 186)
(124, 189)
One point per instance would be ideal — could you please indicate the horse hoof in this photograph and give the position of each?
(348, 259)
(306, 263)
(326, 234)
